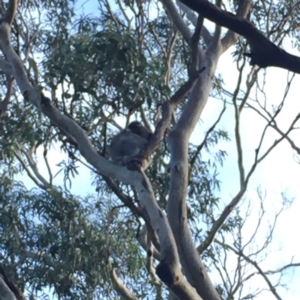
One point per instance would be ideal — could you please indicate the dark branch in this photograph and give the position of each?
(263, 52)
(167, 109)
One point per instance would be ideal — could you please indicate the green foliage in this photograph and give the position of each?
(62, 236)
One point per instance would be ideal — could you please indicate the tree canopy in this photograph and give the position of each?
(73, 75)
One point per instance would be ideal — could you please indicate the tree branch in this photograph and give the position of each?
(229, 208)
(8, 290)
(5, 292)
(263, 52)
(173, 14)
(256, 266)
(192, 17)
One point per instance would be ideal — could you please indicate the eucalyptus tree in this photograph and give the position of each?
(71, 81)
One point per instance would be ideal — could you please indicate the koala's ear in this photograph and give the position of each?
(138, 129)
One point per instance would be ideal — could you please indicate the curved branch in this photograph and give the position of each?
(263, 52)
(30, 175)
(167, 111)
(168, 269)
(178, 140)
(192, 17)
(177, 20)
(33, 166)
(231, 37)
(121, 288)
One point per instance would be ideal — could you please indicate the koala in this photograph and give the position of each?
(128, 143)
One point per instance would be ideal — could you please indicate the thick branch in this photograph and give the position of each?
(168, 269)
(231, 37)
(178, 140)
(167, 111)
(263, 52)
(5, 292)
(172, 11)
(192, 17)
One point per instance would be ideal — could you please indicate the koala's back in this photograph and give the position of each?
(125, 146)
